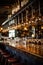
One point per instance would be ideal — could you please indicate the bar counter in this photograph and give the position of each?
(24, 55)
(25, 50)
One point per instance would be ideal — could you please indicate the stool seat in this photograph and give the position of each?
(12, 60)
(0, 50)
(6, 55)
(3, 53)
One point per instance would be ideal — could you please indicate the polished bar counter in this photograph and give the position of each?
(23, 55)
(32, 46)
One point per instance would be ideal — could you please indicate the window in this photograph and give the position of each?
(11, 33)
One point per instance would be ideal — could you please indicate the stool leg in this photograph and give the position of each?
(1, 58)
(6, 62)
(3, 61)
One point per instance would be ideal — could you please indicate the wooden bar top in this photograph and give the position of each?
(25, 50)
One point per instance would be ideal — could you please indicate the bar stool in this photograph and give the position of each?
(10, 61)
(7, 58)
(4, 56)
(0, 54)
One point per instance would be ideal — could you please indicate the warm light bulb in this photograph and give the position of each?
(29, 22)
(32, 21)
(36, 19)
(18, 7)
(39, 18)
(33, 17)
(41, 27)
(1, 28)
(25, 28)
(33, 35)
(8, 27)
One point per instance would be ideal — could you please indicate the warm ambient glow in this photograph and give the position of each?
(41, 27)
(25, 28)
(32, 21)
(33, 35)
(19, 26)
(15, 27)
(39, 18)
(5, 30)
(15, 9)
(8, 27)
(1, 28)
